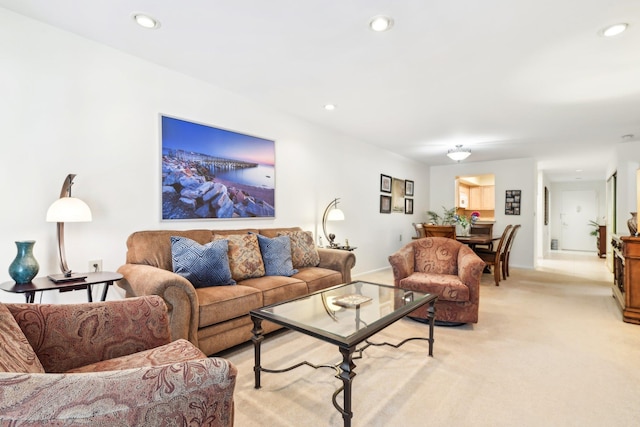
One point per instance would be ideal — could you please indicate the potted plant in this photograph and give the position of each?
(448, 217)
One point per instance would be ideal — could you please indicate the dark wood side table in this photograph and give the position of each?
(45, 284)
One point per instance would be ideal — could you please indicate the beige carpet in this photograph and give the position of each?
(550, 349)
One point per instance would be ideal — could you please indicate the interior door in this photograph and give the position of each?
(578, 207)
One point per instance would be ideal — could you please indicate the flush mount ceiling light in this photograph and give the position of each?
(146, 21)
(381, 23)
(458, 154)
(614, 30)
(330, 107)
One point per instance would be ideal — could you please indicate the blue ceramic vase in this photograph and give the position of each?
(24, 267)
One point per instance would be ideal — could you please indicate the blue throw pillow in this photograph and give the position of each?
(203, 265)
(276, 255)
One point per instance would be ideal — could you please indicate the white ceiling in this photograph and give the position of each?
(506, 78)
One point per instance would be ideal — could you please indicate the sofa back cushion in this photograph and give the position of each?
(154, 247)
(245, 259)
(202, 265)
(436, 255)
(16, 354)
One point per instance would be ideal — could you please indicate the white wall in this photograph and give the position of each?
(518, 174)
(70, 105)
(556, 189)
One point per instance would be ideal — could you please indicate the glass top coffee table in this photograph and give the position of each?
(346, 316)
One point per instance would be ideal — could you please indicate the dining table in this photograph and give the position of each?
(477, 239)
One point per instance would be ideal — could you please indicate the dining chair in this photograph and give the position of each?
(419, 230)
(507, 251)
(494, 258)
(448, 231)
(483, 229)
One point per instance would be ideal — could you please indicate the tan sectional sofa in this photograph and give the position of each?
(217, 317)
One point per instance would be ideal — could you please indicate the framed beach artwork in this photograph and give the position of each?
(211, 173)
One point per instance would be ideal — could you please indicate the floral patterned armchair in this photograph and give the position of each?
(445, 267)
(107, 364)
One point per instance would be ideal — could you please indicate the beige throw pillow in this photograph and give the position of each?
(303, 249)
(245, 259)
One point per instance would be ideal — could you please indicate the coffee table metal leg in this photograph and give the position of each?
(257, 339)
(346, 375)
(431, 317)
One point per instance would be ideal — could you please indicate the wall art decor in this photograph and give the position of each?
(385, 183)
(397, 195)
(546, 206)
(512, 202)
(208, 172)
(408, 188)
(408, 206)
(385, 204)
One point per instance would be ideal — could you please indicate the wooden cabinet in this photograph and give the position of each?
(482, 198)
(626, 276)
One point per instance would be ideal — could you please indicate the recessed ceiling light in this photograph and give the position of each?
(146, 21)
(330, 107)
(627, 137)
(614, 30)
(381, 23)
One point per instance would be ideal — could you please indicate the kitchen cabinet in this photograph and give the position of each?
(482, 197)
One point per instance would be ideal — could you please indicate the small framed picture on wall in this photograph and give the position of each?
(385, 204)
(408, 206)
(385, 183)
(408, 188)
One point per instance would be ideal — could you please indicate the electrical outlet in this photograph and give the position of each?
(95, 265)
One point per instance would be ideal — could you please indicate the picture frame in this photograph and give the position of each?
(408, 206)
(546, 206)
(397, 195)
(385, 204)
(214, 173)
(385, 183)
(408, 188)
(512, 202)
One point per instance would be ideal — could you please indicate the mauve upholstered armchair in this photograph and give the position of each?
(107, 364)
(445, 267)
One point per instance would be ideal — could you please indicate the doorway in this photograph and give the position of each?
(578, 208)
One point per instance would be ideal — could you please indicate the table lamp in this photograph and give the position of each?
(331, 213)
(67, 209)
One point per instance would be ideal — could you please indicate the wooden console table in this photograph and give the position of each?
(626, 276)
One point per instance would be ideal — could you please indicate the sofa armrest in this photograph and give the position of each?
(179, 394)
(338, 260)
(402, 263)
(177, 292)
(470, 268)
(91, 332)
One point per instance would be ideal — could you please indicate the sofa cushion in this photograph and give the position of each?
(277, 288)
(318, 278)
(221, 303)
(16, 354)
(303, 250)
(447, 287)
(245, 259)
(276, 255)
(203, 265)
(177, 351)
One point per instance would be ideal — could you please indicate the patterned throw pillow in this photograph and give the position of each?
(276, 255)
(303, 250)
(16, 354)
(244, 256)
(203, 265)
